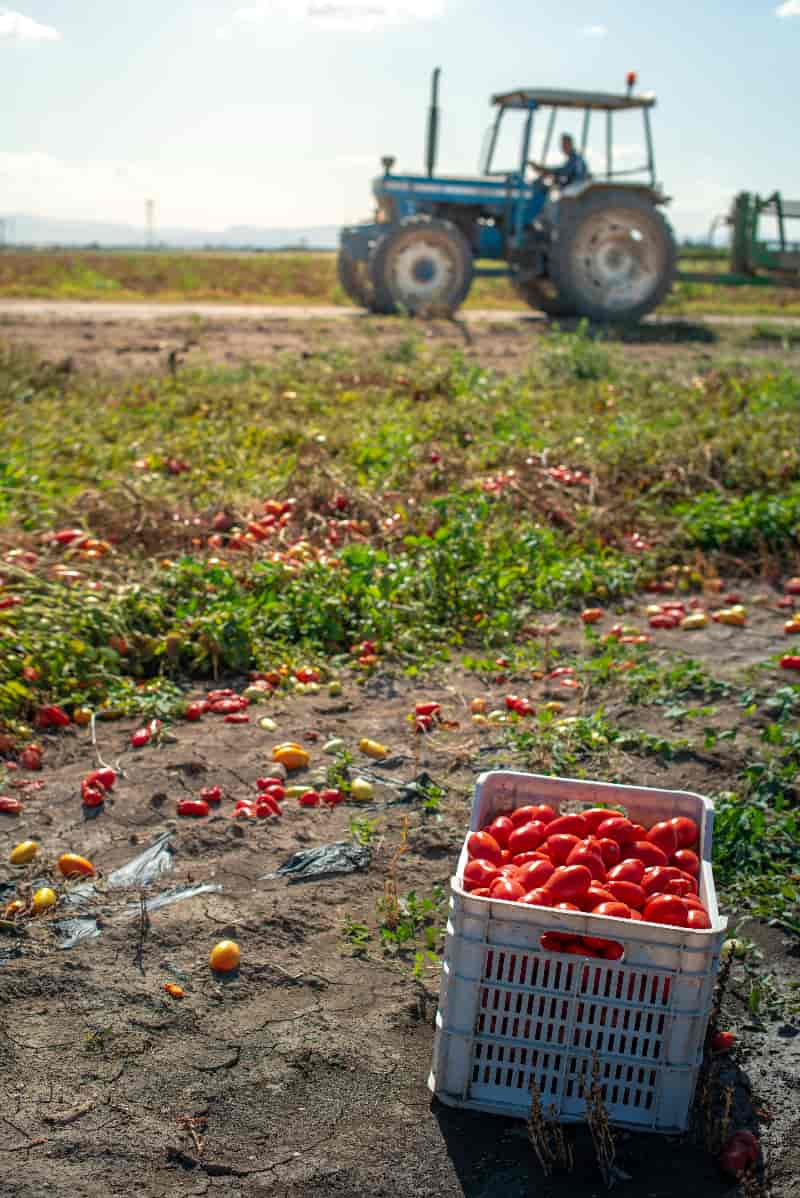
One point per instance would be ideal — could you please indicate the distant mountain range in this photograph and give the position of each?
(22, 229)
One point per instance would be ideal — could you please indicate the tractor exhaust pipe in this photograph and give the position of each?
(432, 141)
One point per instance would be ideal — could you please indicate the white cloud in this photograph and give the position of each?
(361, 16)
(789, 8)
(595, 30)
(14, 27)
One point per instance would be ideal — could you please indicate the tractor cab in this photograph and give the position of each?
(599, 247)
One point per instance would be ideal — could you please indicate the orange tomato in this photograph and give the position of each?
(72, 865)
(225, 956)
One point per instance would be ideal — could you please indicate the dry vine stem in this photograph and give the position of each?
(391, 903)
(547, 1138)
(599, 1124)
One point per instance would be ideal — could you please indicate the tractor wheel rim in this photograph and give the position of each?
(421, 272)
(617, 259)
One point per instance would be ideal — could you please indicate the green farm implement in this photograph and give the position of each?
(757, 260)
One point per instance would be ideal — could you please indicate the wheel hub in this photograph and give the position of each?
(421, 272)
(617, 259)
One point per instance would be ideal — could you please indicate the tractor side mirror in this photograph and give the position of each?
(387, 163)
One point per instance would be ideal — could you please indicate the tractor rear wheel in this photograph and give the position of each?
(615, 257)
(539, 293)
(423, 267)
(353, 275)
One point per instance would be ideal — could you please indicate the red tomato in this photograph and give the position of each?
(506, 889)
(525, 815)
(244, 810)
(483, 847)
(211, 794)
(590, 615)
(638, 832)
(140, 738)
(482, 892)
(665, 835)
(629, 893)
(679, 886)
(697, 918)
(479, 873)
(566, 907)
(687, 831)
(9, 806)
(668, 909)
(266, 807)
(723, 1042)
(687, 861)
(636, 914)
(597, 816)
(631, 870)
(92, 796)
(558, 848)
(572, 825)
(509, 870)
(535, 874)
(745, 1138)
(194, 807)
(331, 797)
(615, 951)
(500, 828)
(537, 898)
(790, 661)
(655, 878)
(427, 708)
(616, 827)
(106, 777)
(505, 857)
(237, 717)
(569, 882)
(583, 855)
(644, 851)
(526, 838)
(734, 1159)
(556, 942)
(615, 909)
(309, 798)
(227, 706)
(194, 710)
(526, 858)
(610, 851)
(595, 894)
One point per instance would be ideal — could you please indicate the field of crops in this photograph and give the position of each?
(291, 278)
(340, 536)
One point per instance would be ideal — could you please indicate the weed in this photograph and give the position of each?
(362, 830)
(546, 1135)
(356, 935)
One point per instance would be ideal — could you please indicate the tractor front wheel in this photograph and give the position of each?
(354, 279)
(615, 256)
(423, 267)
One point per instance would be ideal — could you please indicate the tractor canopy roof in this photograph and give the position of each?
(544, 97)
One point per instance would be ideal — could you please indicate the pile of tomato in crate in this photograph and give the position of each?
(595, 862)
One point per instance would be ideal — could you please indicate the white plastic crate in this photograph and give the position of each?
(513, 1015)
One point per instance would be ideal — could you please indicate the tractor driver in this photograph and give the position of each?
(574, 170)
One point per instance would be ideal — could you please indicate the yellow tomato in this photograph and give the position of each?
(372, 748)
(291, 755)
(43, 899)
(82, 716)
(361, 790)
(225, 956)
(173, 990)
(72, 865)
(24, 852)
(14, 908)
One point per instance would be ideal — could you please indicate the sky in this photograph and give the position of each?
(275, 113)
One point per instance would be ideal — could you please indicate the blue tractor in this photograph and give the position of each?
(599, 248)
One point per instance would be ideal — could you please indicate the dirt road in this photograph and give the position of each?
(150, 337)
(101, 311)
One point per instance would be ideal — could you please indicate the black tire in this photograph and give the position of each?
(540, 294)
(354, 279)
(422, 266)
(615, 256)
